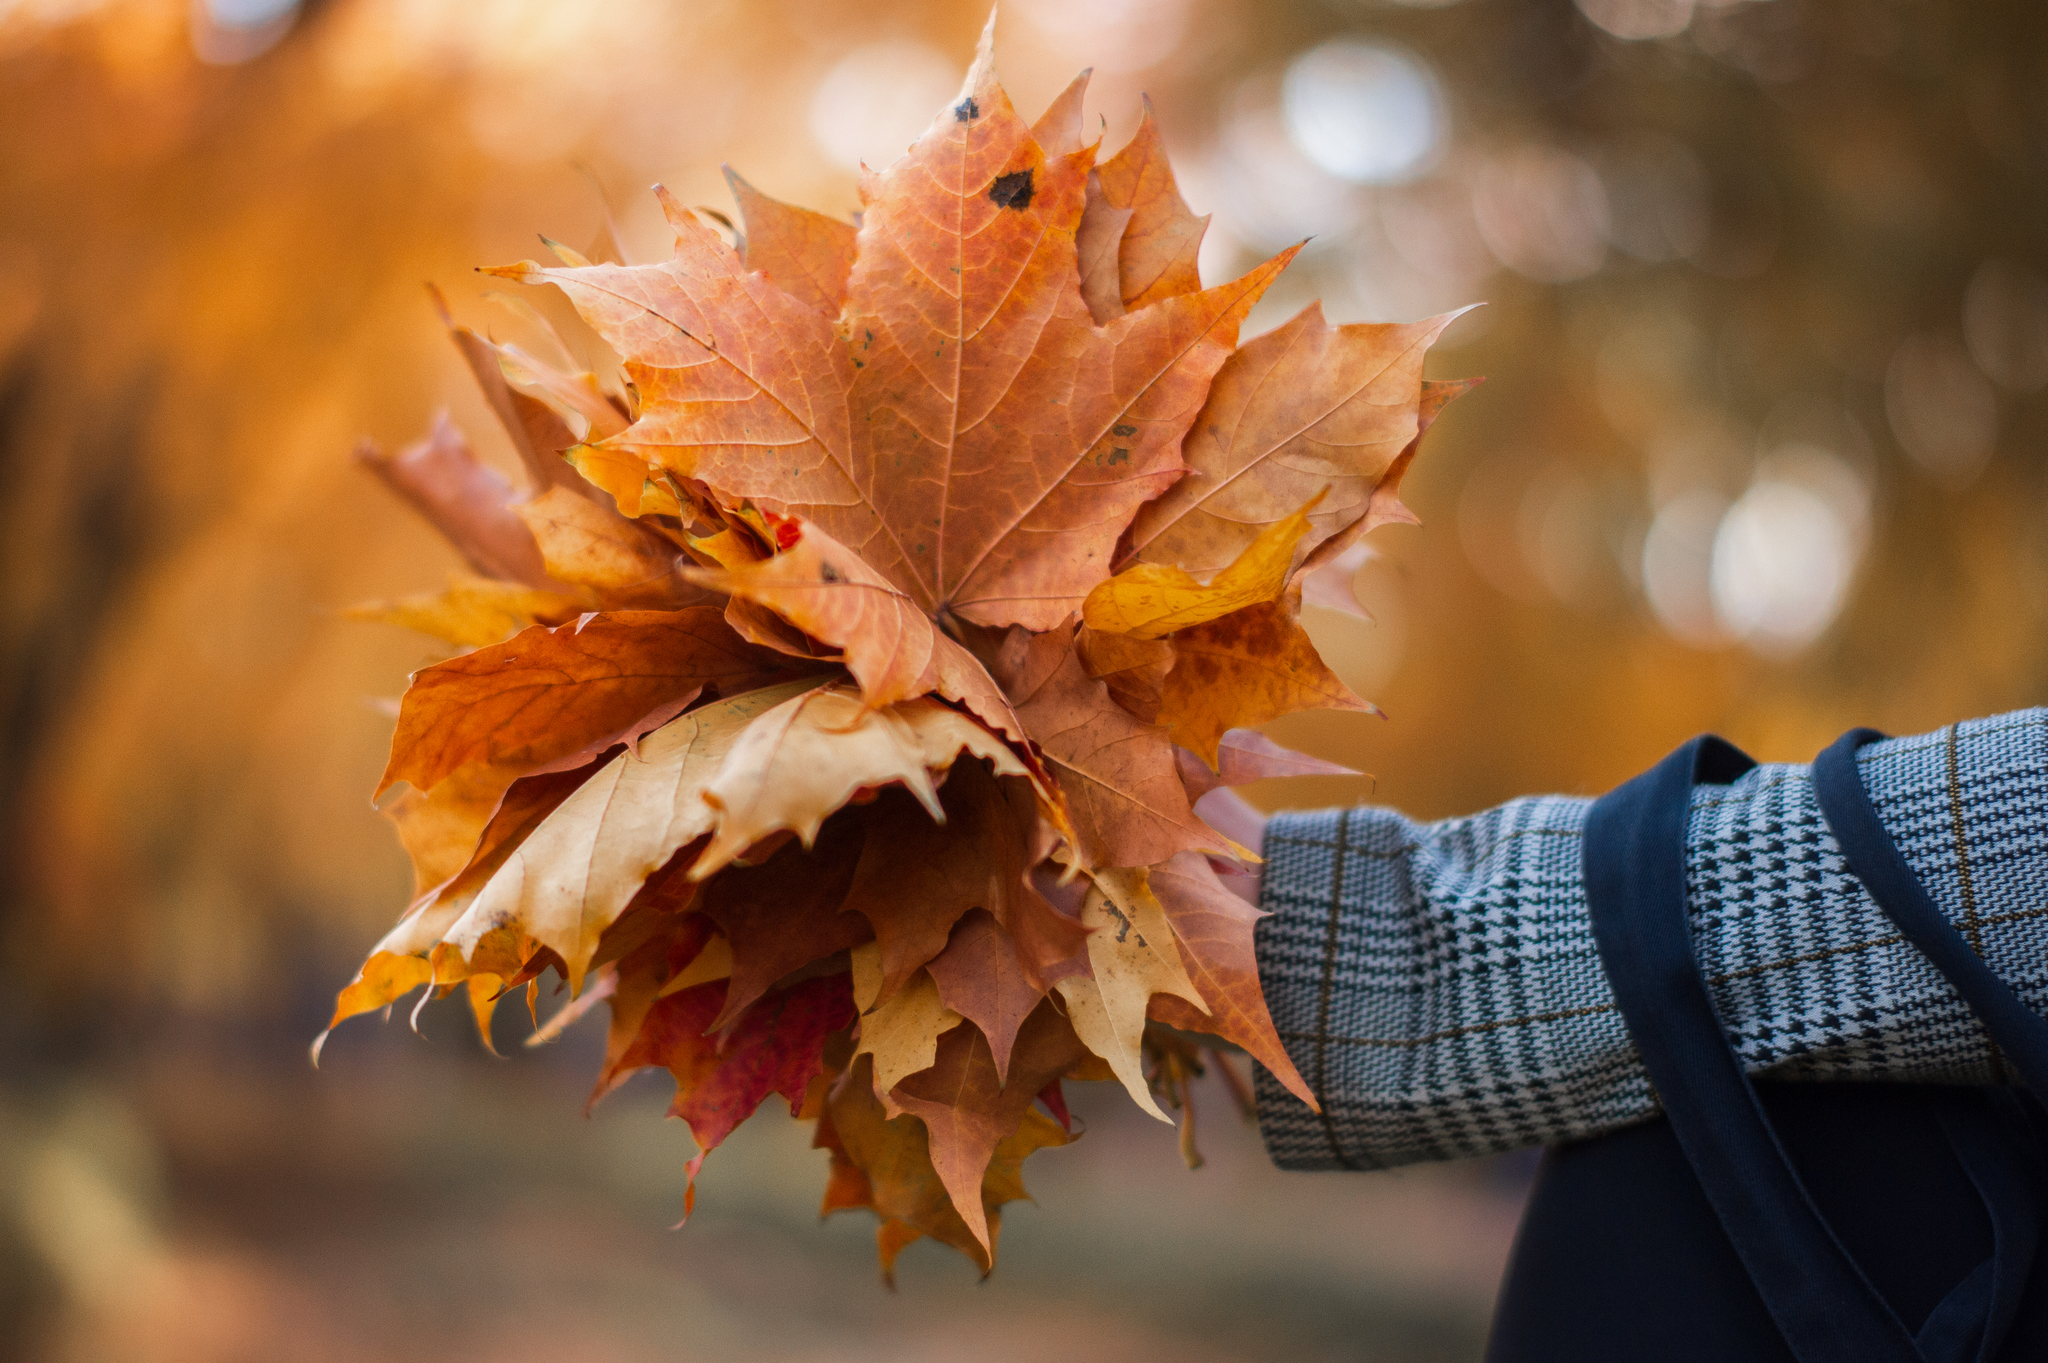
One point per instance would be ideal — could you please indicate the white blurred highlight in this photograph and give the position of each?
(1678, 556)
(1264, 191)
(1112, 36)
(875, 102)
(1638, 19)
(228, 31)
(1366, 112)
(1782, 562)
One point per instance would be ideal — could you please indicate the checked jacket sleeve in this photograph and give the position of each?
(1439, 988)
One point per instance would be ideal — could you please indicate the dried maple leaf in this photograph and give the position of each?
(1133, 958)
(870, 644)
(1241, 670)
(777, 1047)
(465, 500)
(1123, 792)
(903, 1034)
(969, 1107)
(1244, 756)
(1150, 600)
(1213, 930)
(1306, 408)
(563, 695)
(472, 611)
(995, 419)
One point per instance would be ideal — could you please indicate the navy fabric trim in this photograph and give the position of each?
(1875, 859)
(1986, 1303)
(1634, 853)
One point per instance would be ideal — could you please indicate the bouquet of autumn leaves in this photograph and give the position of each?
(839, 689)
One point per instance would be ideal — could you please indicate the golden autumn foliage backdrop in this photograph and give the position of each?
(1760, 451)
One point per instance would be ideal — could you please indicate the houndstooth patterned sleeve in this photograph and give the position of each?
(1439, 988)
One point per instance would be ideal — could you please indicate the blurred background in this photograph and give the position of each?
(1761, 450)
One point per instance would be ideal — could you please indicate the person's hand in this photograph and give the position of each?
(1224, 810)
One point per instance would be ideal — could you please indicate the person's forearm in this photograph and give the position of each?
(1439, 987)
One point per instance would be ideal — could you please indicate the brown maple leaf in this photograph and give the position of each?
(841, 684)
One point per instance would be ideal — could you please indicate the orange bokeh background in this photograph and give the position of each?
(1760, 451)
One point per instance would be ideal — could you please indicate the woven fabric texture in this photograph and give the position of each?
(1439, 988)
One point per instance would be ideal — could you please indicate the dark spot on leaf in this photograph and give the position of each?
(860, 364)
(827, 573)
(1123, 924)
(1121, 429)
(966, 110)
(1119, 455)
(1012, 190)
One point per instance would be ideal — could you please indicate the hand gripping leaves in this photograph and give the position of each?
(837, 692)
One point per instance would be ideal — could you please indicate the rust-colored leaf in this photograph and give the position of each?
(917, 876)
(1248, 667)
(996, 418)
(785, 913)
(981, 977)
(539, 435)
(1214, 930)
(1097, 242)
(1157, 252)
(563, 695)
(1122, 789)
(968, 1109)
(439, 828)
(580, 866)
(468, 502)
(638, 981)
(807, 757)
(1061, 130)
(1385, 507)
(1134, 670)
(482, 809)
(807, 254)
(588, 545)
(896, 1177)
(1304, 408)
(777, 1047)
(1244, 756)
(893, 649)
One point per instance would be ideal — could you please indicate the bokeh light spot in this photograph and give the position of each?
(873, 104)
(1782, 560)
(1678, 557)
(1542, 213)
(1941, 408)
(2005, 321)
(1638, 19)
(1112, 36)
(1365, 112)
